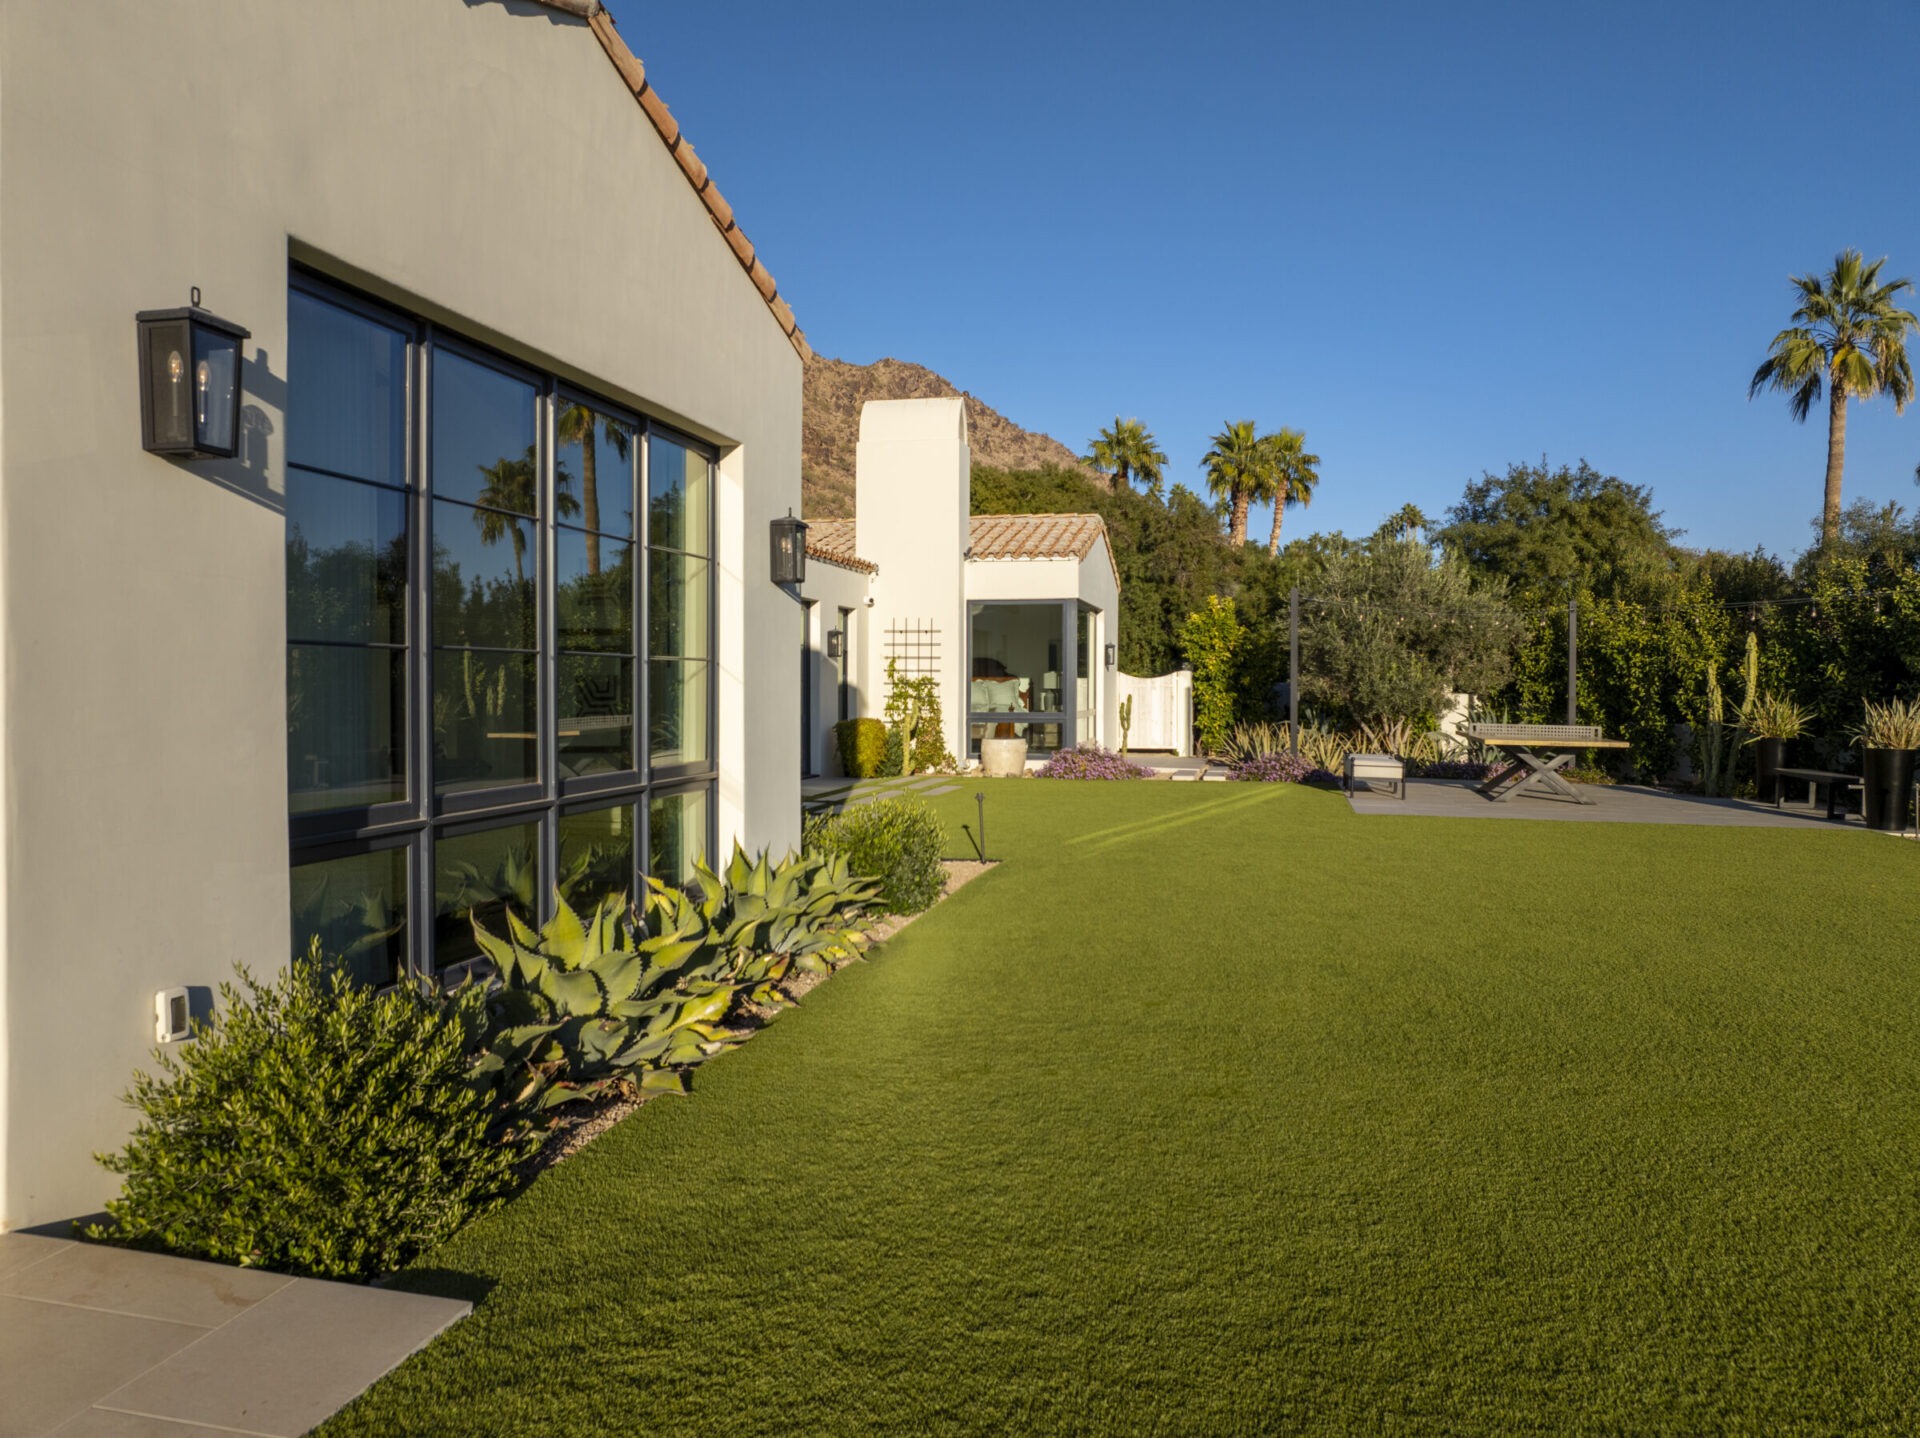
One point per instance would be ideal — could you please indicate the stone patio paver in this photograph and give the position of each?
(123, 1344)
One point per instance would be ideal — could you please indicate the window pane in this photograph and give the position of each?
(346, 727)
(358, 908)
(1016, 659)
(484, 711)
(346, 392)
(677, 713)
(346, 560)
(596, 714)
(596, 855)
(594, 593)
(484, 567)
(677, 602)
(593, 469)
(1041, 738)
(679, 496)
(480, 876)
(676, 835)
(483, 435)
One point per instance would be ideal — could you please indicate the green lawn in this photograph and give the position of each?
(1220, 1110)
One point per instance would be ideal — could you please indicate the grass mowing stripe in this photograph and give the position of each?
(1281, 1122)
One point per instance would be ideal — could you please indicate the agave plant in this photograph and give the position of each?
(1324, 748)
(1399, 738)
(1892, 725)
(1255, 741)
(764, 920)
(1773, 716)
(586, 1004)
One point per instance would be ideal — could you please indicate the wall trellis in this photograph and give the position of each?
(913, 645)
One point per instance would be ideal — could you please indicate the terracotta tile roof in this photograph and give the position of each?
(635, 76)
(1038, 536)
(832, 541)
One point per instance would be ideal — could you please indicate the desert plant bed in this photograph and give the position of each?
(1167, 1126)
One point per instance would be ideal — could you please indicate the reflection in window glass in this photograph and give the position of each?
(679, 497)
(1083, 677)
(484, 563)
(596, 714)
(594, 607)
(346, 560)
(346, 726)
(676, 835)
(479, 877)
(677, 727)
(346, 392)
(483, 435)
(593, 472)
(596, 856)
(357, 908)
(678, 592)
(484, 705)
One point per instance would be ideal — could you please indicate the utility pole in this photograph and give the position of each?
(1573, 658)
(1293, 670)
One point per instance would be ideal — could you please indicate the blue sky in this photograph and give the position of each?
(1440, 239)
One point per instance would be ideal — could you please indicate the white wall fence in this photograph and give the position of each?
(1162, 711)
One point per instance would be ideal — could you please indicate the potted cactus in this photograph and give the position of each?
(1887, 736)
(1770, 721)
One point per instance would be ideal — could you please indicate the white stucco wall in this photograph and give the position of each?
(480, 164)
(912, 478)
(833, 588)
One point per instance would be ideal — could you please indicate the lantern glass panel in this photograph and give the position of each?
(169, 372)
(216, 390)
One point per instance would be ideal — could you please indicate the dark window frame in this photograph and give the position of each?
(424, 818)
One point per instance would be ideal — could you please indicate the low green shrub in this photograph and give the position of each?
(898, 842)
(863, 747)
(315, 1127)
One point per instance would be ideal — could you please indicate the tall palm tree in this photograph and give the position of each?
(1850, 336)
(1239, 467)
(1295, 473)
(1125, 449)
(576, 424)
(512, 485)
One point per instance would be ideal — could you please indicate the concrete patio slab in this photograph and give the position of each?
(123, 1344)
(304, 1353)
(1612, 804)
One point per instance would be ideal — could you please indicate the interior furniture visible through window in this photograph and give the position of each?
(491, 576)
(1019, 654)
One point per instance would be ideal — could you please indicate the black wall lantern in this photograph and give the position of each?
(836, 644)
(789, 550)
(189, 382)
(1113, 655)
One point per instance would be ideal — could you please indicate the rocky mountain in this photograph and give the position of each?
(830, 429)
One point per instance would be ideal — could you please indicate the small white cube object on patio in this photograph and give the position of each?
(1371, 767)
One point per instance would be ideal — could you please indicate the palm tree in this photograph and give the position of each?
(1239, 467)
(1849, 335)
(577, 424)
(1295, 473)
(512, 486)
(1126, 449)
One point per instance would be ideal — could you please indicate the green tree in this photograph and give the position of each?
(1294, 473)
(1406, 522)
(1239, 468)
(1124, 450)
(1391, 630)
(1849, 336)
(1211, 639)
(1549, 531)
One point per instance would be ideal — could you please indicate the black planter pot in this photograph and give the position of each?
(1888, 785)
(1769, 757)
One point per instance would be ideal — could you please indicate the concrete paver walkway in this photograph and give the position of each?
(100, 1342)
(1612, 803)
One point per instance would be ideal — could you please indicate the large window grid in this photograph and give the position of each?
(494, 748)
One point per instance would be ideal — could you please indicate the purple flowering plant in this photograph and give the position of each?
(1281, 768)
(1091, 763)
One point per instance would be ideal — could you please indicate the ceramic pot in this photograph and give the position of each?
(1003, 758)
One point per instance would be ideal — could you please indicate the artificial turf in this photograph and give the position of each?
(1218, 1109)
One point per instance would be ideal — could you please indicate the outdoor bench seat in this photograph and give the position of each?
(1376, 766)
(1838, 786)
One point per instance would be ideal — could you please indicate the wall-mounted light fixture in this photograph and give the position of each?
(1113, 655)
(789, 550)
(189, 382)
(836, 644)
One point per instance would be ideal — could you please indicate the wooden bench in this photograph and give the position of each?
(1376, 766)
(1838, 786)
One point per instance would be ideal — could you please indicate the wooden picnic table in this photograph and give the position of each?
(1539, 752)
